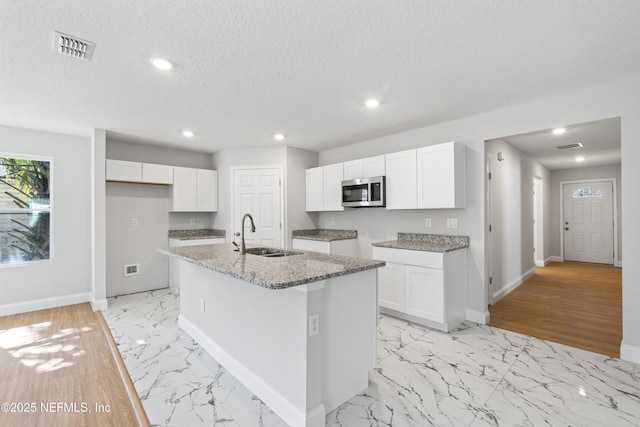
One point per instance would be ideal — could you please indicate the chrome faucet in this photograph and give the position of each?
(243, 248)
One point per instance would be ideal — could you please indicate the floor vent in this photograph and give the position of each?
(568, 146)
(131, 270)
(72, 46)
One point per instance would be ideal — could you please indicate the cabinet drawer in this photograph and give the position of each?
(409, 257)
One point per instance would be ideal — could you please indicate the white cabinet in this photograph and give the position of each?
(401, 180)
(124, 171)
(157, 174)
(324, 188)
(441, 176)
(333, 187)
(346, 247)
(364, 168)
(427, 288)
(194, 190)
(206, 190)
(120, 170)
(314, 189)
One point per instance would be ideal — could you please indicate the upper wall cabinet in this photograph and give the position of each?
(194, 190)
(324, 188)
(120, 170)
(441, 176)
(364, 168)
(401, 180)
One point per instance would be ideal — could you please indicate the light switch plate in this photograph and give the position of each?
(427, 222)
(452, 222)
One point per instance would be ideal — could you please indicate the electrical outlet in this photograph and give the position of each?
(202, 306)
(134, 221)
(452, 222)
(314, 325)
(427, 222)
(192, 221)
(333, 220)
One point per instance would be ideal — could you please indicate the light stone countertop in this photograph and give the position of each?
(324, 235)
(273, 273)
(207, 233)
(426, 242)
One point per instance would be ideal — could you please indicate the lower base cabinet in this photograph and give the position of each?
(174, 263)
(347, 247)
(427, 288)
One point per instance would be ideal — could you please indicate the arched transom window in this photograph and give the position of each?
(586, 191)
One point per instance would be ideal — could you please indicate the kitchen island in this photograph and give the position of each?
(298, 330)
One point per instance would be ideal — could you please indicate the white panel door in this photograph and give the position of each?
(424, 293)
(258, 192)
(588, 222)
(391, 286)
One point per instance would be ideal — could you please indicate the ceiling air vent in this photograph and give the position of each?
(568, 146)
(72, 46)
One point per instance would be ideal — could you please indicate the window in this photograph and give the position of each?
(586, 192)
(25, 209)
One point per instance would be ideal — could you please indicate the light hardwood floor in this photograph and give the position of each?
(61, 367)
(569, 303)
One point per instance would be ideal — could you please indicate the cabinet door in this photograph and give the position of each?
(333, 187)
(314, 189)
(353, 170)
(206, 190)
(424, 293)
(157, 174)
(120, 170)
(441, 176)
(184, 191)
(401, 180)
(391, 286)
(373, 166)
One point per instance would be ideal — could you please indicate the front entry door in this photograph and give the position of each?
(257, 192)
(588, 222)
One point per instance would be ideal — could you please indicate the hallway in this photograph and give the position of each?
(571, 303)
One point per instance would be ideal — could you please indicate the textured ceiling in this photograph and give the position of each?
(600, 140)
(246, 70)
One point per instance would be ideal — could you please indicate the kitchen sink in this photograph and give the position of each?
(270, 252)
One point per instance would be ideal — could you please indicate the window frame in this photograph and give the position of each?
(48, 210)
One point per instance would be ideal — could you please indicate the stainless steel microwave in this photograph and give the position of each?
(364, 192)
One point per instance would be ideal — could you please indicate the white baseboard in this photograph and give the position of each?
(99, 304)
(477, 316)
(629, 352)
(276, 402)
(555, 258)
(618, 263)
(540, 263)
(44, 303)
(511, 286)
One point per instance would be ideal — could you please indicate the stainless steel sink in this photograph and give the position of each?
(270, 252)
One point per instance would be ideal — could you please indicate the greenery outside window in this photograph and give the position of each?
(25, 209)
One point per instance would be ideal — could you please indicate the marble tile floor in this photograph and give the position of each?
(474, 376)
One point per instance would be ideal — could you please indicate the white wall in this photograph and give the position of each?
(579, 174)
(512, 216)
(66, 278)
(613, 99)
(297, 218)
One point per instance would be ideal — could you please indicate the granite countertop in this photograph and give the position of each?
(426, 242)
(207, 233)
(324, 235)
(273, 273)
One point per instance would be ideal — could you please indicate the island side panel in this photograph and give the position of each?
(260, 336)
(349, 336)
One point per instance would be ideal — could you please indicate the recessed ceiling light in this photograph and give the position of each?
(278, 136)
(579, 159)
(187, 133)
(559, 131)
(372, 103)
(161, 63)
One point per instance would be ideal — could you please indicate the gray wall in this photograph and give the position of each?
(128, 244)
(68, 272)
(579, 174)
(297, 218)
